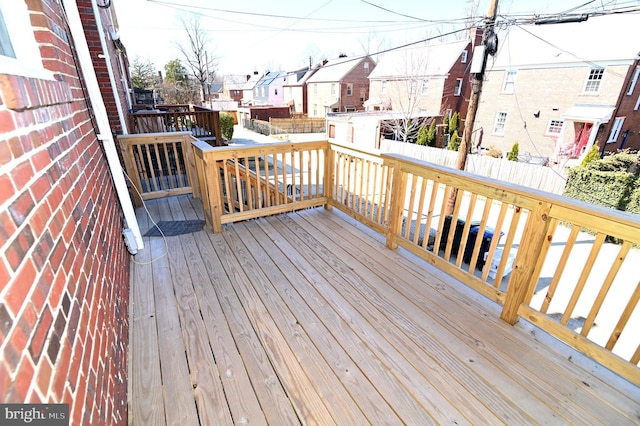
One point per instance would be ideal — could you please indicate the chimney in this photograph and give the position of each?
(248, 77)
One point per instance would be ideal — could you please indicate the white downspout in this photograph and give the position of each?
(107, 58)
(105, 135)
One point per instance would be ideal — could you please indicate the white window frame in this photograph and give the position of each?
(333, 89)
(458, 90)
(635, 108)
(383, 86)
(634, 81)
(425, 84)
(464, 57)
(349, 89)
(27, 61)
(509, 83)
(413, 86)
(554, 127)
(500, 123)
(615, 129)
(594, 80)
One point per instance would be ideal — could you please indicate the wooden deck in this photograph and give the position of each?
(307, 318)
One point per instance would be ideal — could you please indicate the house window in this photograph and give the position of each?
(315, 88)
(275, 91)
(615, 130)
(634, 81)
(413, 87)
(501, 120)
(363, 96)
(349, 89)
(458, 89)
(509, 82)
(349, 109)
(366, 67)
(593, 80)
(464, 57)
(554, 127)
(315, 110)
(635, 108)
(333, 89)
(383, 86)
(424, 86)
(19, 51)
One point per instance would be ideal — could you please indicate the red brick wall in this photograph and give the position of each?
(359, 77)
(64, 278)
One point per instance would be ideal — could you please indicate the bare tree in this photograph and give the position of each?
(196, 53)
(405, 87)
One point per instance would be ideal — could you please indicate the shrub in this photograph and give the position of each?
(431, 134)
(454, 123)
(226, 123)
(422, 136)
(592, 155)
(454, 142)
(513, 154)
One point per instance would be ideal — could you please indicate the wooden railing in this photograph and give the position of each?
(544, 258)
(159, 164)
(202, 124)
(256, 181)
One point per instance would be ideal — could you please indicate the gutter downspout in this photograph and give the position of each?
(107, 57)
(104, 135)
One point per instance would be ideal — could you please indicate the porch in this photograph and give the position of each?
(306, 317)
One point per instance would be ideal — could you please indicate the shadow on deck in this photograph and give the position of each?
(308, 318)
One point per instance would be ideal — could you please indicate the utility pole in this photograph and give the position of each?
(489, 47)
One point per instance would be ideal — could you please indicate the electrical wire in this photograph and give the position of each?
(155, 224)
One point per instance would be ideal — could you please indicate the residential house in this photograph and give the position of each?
(295, 90)
(624, 130)
(247, 89)
(64, 206)
(554, 88)
(213, 90)
(340, 85)
(268, 90)
(233, 86)
(426, 79)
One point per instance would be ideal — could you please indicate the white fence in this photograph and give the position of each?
(529, 175)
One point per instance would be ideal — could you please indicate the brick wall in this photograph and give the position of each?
(63, 266)
(359, 77)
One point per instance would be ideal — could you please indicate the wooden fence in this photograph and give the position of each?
(159, 164)
(201, 124)
(523, 248)
(530, 175)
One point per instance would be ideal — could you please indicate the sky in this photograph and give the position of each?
(258, 35)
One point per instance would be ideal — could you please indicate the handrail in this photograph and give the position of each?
(159, 164)
(201, 124)
(543, 257)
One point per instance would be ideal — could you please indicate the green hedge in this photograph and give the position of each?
(612, 182)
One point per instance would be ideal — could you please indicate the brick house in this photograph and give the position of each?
(340, 85)
(427, 80)
(64, 267)
(554, 88)
(624, 129)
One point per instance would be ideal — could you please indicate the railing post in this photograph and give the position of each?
(522, 277)
(214, 190)
(398, 189)
(329, 166)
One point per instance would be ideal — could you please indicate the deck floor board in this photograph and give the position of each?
(308, 318)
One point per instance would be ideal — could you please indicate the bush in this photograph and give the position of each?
(422, 136)
(513, 154)
(454, 142)
(454, 123)
(592, 155)
(432, 134)
(226, 123)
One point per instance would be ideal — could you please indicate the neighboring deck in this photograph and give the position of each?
(309, 318)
